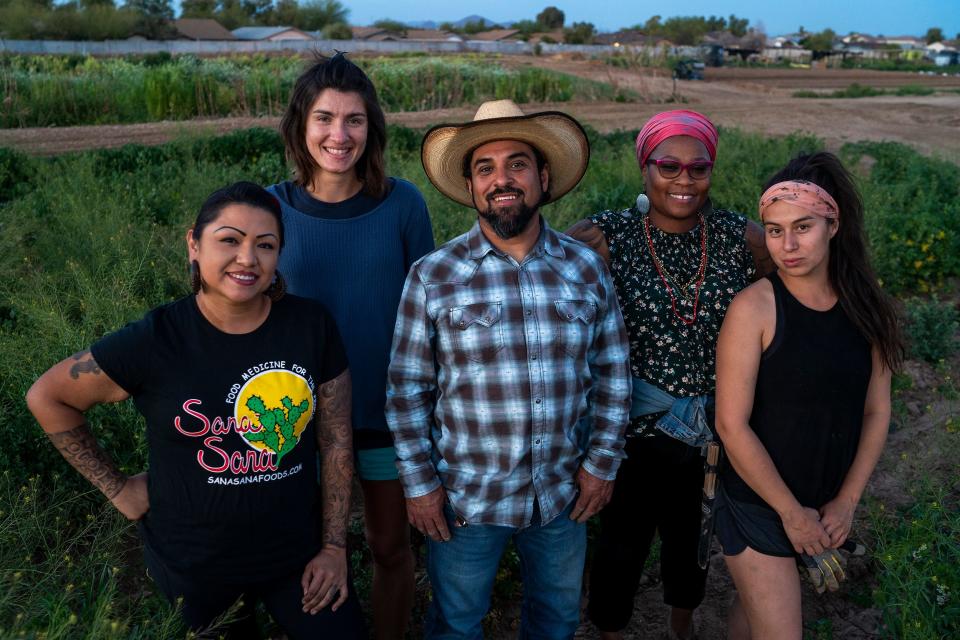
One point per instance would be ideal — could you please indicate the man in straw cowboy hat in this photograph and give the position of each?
(506, 337)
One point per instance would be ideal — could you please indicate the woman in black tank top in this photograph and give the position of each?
(804, 363)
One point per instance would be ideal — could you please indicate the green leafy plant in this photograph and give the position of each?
(931, 329)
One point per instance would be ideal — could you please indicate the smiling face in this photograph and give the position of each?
(506, 185)
(798, 241)
(336, 133)
(675, 202)
(237, 253)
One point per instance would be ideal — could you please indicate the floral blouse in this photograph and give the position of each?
(678, 358)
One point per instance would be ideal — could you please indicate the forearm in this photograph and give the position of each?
(606, 449)
(873, 437)
(753, 464)
(610, 370)
(84, 453)
(58, 400)
(337, 478)
(335, 439)
(416, 470)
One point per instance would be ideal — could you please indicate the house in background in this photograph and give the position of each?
(546, 37)
(374, 34)
(907, 43)
(494, 35)
(201, 29)
(271, 33)
(630, 37)
(434, 35)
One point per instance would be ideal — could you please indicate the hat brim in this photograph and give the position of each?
(560, 139)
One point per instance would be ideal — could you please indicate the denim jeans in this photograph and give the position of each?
(462, 571)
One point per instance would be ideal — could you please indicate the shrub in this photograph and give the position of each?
(918, 587)
(16, 174)
(337, 31)
(931, 329)
(914, 90)
(912, 215)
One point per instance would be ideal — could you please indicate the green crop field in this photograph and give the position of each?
(40, 91)
(92, 240)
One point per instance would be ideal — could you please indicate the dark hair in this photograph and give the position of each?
(340, 74)
(852, 276)
(537, 156)
(237, 193)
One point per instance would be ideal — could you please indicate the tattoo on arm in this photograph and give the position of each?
(84, 364)
(83, 451)
(335, 440)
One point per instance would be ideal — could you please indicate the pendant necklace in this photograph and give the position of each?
(698, 277)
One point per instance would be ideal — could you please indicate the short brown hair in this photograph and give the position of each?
(341, 74)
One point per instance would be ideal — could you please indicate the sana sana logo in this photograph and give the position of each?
(281, 404)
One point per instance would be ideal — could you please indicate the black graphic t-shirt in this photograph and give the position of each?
(232, 443)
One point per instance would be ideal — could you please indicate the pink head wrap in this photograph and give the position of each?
(803, 194)
(680, 122)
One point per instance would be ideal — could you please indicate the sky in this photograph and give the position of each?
(876, 17)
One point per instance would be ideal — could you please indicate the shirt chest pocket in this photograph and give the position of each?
(477, 330)
(575, 319)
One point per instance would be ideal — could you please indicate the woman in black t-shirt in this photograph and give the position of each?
(240, 386)
(804, 363)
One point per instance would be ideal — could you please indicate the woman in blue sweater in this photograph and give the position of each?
(352, 234)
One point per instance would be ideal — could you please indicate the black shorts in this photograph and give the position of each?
(739, 525)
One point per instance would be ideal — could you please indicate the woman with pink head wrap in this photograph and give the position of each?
(804, 364)
(677, 262)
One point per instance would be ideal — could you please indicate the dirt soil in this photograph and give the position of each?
(757, 100)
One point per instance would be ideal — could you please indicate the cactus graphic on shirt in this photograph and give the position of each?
(277, 424)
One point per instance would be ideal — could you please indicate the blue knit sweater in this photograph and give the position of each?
(356, 268)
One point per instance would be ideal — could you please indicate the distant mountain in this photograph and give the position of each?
(431, 24)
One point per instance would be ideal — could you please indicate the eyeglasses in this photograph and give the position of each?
(669, 168)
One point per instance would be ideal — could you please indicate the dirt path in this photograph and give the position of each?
(756, 100)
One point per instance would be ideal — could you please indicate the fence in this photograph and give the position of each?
(210, 47)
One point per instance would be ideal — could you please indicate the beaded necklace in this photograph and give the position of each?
(698, 277)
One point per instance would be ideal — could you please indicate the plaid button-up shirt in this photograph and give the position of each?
(494, 364)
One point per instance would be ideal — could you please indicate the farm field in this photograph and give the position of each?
(92, 237)
(757, 100)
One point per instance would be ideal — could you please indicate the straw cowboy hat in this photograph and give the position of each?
(556, 135)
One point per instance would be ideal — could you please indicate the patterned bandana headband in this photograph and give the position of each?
(803, 194)
(680, 122)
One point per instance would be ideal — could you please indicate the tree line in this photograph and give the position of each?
(106, 20)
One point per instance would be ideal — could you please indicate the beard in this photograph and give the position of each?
(508, 222)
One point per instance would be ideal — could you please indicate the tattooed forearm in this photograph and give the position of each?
(82, 451)
(335, 440)
(85, 364)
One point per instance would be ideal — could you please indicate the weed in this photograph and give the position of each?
(931, 329)
(98, 241)
(914, 90)
(919, 557)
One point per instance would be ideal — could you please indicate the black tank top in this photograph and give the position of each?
(808, 406)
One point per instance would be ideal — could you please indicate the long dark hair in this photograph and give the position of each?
(865, 303)
(242, 192)
(340, 74)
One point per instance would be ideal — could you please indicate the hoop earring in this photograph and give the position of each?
(277, 288)
(196, 282)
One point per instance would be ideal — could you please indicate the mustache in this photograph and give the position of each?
(500, 191)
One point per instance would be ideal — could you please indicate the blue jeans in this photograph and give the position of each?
(462, 571)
